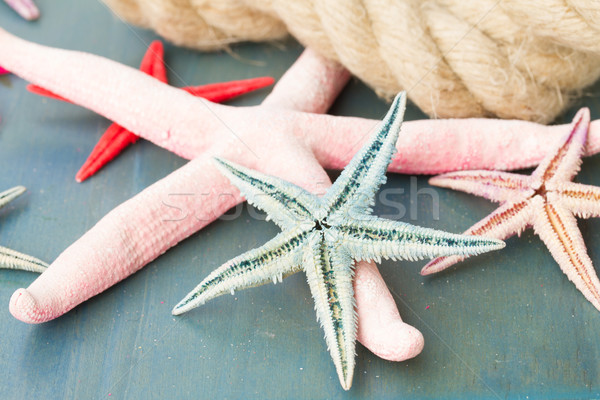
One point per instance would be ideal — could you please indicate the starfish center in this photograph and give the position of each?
(321, 225)
(541, 191)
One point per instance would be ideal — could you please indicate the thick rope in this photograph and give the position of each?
(504, 58)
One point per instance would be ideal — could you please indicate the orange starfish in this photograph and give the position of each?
(547, 200)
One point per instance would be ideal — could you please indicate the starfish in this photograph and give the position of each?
(282, 137)
(323, 236)
(116, 138)
(13, 259)
(547, 200)
(25, 8)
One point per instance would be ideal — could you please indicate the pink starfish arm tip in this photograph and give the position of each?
(380, 327)
(24, 307)
(25, 8)
(564, 165)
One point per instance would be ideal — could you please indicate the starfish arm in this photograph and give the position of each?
(223, 91)
(285, 203)
(557, 227)
(372, 238)
(310, 85)
(127, 238)
(357, 184)
(25, 8)
(493, 185)
(329, 274)
(40, 91)
(582, 200)
(508, 219)
(592, 145)
(279, 257)
(116, 138)
(380, 327)
(444, 145)
(563, 163)
(153, 62)
(9, 195)
(113, 141)
(14, 260)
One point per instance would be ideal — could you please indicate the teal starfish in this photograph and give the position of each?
(324, 236)
(13, 259)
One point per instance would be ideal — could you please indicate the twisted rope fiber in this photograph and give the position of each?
(504, 58)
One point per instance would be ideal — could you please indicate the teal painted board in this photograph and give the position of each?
(506, 325)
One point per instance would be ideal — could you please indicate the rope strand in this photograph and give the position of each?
(504, 58)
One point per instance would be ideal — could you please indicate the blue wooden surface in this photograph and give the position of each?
(507, 325)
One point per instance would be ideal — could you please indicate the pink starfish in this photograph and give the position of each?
(25, 8)
(547, 200)
(279, 137)
(150, 223)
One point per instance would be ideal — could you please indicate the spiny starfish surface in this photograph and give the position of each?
(116, 138)
(281, 137)
(547, 200)
(13, 259)
(323, 236)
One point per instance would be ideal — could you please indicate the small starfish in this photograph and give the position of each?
(3, 71)
(547, 200)
(13, 259)
(25, 8)
(116, 138)
(323, 237)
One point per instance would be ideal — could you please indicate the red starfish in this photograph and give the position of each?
(116, 138)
